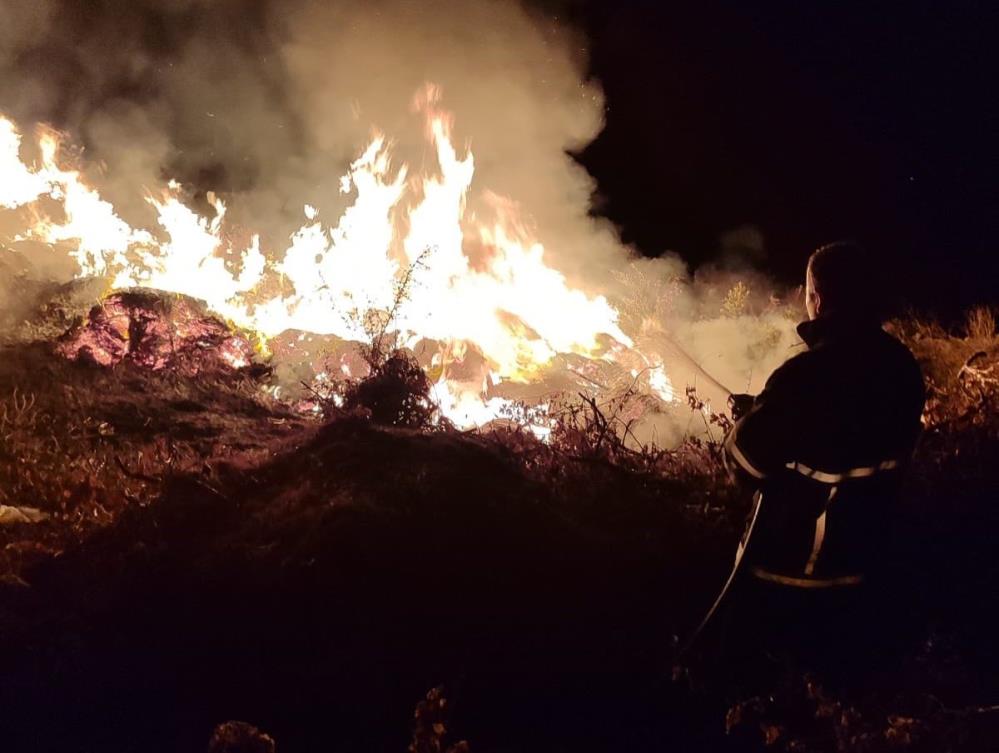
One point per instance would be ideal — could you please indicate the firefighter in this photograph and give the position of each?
(825, 445)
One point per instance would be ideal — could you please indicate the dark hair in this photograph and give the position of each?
(845, 277)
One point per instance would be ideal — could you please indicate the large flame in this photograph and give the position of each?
(514, 309)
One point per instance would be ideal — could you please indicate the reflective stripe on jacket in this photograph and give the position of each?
(825, 442)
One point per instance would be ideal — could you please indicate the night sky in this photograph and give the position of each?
(811, 122)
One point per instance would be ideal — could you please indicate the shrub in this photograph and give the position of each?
(395, 393)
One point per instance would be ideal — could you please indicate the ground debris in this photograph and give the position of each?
(11, 515)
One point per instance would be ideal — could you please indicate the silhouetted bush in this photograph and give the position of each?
(396, 393)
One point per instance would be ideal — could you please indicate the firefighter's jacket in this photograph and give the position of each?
(825, 443)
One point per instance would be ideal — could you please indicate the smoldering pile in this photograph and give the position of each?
(157, 331)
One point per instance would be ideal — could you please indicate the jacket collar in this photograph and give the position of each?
(836, 326)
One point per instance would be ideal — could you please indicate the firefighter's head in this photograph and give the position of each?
(839, 279)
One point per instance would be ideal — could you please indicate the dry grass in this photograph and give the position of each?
(83, 444)
(980, 324)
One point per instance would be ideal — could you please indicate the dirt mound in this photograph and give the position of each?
(82, 442)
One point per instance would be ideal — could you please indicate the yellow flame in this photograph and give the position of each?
(516, 310)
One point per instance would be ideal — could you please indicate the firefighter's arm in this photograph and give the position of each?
(740, 404)
(760, 442)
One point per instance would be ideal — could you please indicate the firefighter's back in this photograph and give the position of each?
(826, 444)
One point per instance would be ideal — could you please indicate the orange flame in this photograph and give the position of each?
(516, 310)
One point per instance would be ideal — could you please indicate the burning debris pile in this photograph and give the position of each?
(156, 331)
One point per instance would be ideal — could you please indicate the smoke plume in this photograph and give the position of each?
(267, 102)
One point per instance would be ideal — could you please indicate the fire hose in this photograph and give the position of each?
(736, 567)
(697, 368)
(739, 405)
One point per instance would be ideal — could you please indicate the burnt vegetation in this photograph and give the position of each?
(180, 549)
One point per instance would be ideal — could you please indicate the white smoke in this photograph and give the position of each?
(268, 102)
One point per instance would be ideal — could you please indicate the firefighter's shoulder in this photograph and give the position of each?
(790, 375)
